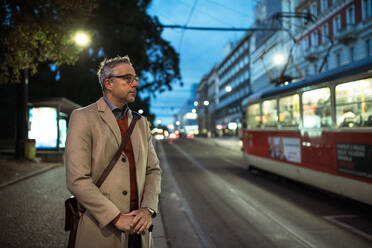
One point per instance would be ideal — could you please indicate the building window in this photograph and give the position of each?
(369, 47)
(313, 9)
(338, 59)
(366, 7)
(326, 66)
(352, 54)
(350, 16)
(337, 24)
(325, 33)
(323, 5)
(314, 38)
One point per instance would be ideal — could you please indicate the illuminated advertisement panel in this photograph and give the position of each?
(43, 127)
(62, 132)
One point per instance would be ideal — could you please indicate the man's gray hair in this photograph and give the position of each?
(106, 66)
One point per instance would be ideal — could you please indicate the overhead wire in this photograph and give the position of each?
(187, 22)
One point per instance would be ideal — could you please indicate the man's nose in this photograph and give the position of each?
(135, 83)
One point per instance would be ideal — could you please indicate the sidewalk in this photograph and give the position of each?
(231, 143)
(13, 171)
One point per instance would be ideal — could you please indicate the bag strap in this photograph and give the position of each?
(113, 161)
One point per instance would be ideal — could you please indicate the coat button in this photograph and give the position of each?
(124, 192)
(123, 159)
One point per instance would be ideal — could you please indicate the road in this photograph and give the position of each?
(210, 199)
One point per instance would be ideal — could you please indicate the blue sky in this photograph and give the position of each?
(199, 50)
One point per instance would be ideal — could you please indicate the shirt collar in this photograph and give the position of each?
(113, 108)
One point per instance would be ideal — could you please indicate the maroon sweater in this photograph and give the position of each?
(128, 150)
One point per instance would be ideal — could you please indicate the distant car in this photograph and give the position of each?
(173, 136)
(189, 136)
(159, 136)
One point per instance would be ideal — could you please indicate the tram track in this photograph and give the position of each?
(257, 211)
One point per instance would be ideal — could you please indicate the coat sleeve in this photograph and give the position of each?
(152, 185)
(78, 171)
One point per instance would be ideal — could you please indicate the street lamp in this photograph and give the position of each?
(196, 103)
(140, 111)
(81, 39)
(228, 88)
(206, 103)
(279, 59)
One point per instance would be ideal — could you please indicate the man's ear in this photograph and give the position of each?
(108, 83)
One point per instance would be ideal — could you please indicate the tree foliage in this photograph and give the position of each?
(38, 31)
(124, 27)
(34, 31)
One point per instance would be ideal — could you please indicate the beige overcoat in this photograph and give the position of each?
(93, 138)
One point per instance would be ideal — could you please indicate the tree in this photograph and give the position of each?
(38, 32)
(33, 32)
(120, 28)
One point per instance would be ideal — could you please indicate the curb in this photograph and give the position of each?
(31, 174)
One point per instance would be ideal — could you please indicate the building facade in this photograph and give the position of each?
(340, 34)
(207, 102)
(233, 86)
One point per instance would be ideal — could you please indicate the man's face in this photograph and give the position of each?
(120, 88)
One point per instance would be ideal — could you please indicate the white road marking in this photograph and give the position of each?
(198, 231)
(257, 209)
(333, 219)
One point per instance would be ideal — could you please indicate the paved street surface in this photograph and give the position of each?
(209, 199)
(32, 211)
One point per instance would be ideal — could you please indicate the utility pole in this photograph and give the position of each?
(22, 116)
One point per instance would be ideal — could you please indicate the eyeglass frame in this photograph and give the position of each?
(128, 77)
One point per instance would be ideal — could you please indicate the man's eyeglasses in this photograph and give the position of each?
(127, 77)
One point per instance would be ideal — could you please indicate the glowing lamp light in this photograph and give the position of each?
(279, 59)
(232, 125)
(159, 122)
(193, 110)
(82, 39)
(206, 103)
(140, 111)
(228, 88)
(178, 123)
(196, 103)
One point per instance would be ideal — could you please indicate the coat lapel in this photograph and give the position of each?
(109, 118)
(134, 138)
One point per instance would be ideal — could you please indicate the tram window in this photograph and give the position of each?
(269, 113)
(317, 108)
(289, 111)
(354, 104)
(254, 116)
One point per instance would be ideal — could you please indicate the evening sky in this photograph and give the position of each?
(199, 50)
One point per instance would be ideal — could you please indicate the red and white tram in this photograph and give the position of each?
(317, 131)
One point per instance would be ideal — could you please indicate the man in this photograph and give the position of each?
(118, 214)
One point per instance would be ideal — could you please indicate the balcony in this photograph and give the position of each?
(312, 53)
(347, 35)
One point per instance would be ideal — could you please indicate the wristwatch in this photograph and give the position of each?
(152, 212)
